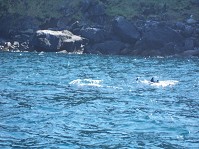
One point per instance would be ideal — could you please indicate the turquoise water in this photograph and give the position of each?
(50, 100)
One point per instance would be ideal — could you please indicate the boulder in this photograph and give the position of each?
(54, 41)
(94, 35)
(9, 45)
(125, 30)
(158, 37)
(108, 47)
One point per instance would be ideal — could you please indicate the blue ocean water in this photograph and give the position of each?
(53, 100)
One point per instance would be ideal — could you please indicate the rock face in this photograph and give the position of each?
(108, 47)
(190, 53)
(54, 41)
(12, 25)
(125, 30)
(90, 28)
(94, 10)
(160, 40)
(94, 35)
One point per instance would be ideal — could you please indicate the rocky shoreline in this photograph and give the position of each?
(97, 33)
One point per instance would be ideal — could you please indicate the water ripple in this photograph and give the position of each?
(53, 100)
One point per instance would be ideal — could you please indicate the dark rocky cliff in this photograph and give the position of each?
(144, 27)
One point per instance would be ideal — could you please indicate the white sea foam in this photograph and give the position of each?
(160, 83)
(86, 82)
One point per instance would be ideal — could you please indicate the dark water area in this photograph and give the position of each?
(51, 100)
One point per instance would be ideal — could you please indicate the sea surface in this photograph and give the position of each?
(54, 100)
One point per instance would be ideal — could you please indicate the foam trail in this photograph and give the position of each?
(86, 82)
(160, 83)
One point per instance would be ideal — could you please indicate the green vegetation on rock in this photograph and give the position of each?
(36, 8)
(173, 9)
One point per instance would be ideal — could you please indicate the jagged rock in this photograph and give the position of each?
(125, 30)
(6, 46)
(108, 47)
(54, 41)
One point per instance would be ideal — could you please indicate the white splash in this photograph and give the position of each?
(86, 82)
(160, 83)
